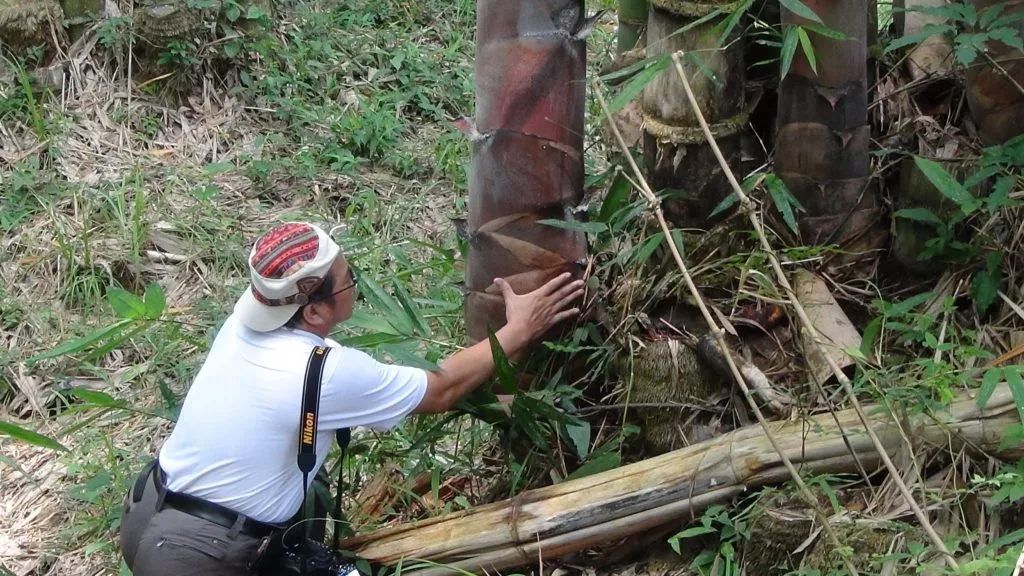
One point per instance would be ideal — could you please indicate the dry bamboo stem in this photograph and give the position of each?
(563, 518)
(716, 330)
(746, 205)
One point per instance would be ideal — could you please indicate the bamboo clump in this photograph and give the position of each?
(564, 518)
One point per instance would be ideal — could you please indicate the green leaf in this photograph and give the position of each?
(97, 398)
(693, 532)
(215, 168)
(825, 31)
(28, 436)
(406, 357)
(1016, 383)
(84, 342)
(725, 204)
(947, 185)
(725, 28)
(789, 44)
(985, 285)
(808, 48)
(371, 340)
(800, 9)
(412, 312)
(502, 368)
(645, 250)
(784, 200)
(601, 462)
(579, 434)
(1000, 196)
(575, 225)
(871, 332)
(126, 304)
(616, 199)
(989, 382)
(384, 303)
(636, 85)
(919, 215)
(154, 301)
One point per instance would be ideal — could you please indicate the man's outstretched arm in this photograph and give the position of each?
(528, 317)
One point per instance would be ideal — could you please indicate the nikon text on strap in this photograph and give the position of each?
(309, 420)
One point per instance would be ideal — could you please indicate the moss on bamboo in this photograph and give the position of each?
(25, 23)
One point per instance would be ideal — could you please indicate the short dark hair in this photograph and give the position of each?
(323, 292)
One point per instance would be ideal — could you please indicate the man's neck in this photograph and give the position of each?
(312, 330)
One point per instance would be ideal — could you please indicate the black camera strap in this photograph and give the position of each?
(309, 420)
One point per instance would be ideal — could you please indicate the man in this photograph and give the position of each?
(227, 477)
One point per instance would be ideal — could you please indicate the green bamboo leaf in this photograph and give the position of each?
(800, 9)
(919, 215)
(647, 248)
(126, 304)
(598, 463)
(579, 434)
(725, 28)
(371, 340)
(823, 30)
(1016, 383)
(575, 225)
(616, 199)
(154, 301)
(947, 185)
(97, 398)
(84, 342)
(726, 203)
(636, 85)
(784, 201)
(29, 437)
(384, 303)
(411, 310)
(805, 44)
(989, 382)
(789, 44)
(502, 367)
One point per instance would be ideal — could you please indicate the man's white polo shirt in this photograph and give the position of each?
(236, 439)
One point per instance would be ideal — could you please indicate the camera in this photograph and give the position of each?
(311, 558)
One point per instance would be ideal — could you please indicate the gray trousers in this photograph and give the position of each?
(161, 541)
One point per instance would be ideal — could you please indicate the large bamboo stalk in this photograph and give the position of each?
(574, 515)
(527, 151)
(677, 157)
(823, 137)
(632, 21)
(995, 83)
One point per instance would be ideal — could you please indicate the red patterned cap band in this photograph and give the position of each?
(282, 252)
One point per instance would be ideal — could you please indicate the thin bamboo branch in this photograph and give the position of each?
(655, 206)
(746, 205)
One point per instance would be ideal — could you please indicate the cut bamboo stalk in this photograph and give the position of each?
(572, 516)
(830, 322)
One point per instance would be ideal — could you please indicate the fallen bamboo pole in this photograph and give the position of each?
(557, 520)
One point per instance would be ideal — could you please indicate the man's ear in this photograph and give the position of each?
(311, 316)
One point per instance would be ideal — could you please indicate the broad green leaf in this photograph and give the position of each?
(598, 463)
(725, 204)
(126, 304)
(800, 9)
(575, 225)
(636, 85)
(154, 300)
(579, 434)
(28, 436)
(1016, 383)
(985, 284)
(693, 532)
(914, 39)
(543, 410)
(385, 304)
(411, 310)
(989, 382)
(825, 31)
(789, 44)
(784, 201)
(919, 215)
(502, 368)
(645, 250)
(215, 168)
(406, 357)
(808, 48)
(946, 184)
(97, 398)
(371, 340)
(84, 342)
(871, 332)
(615, 200)
(725, 28)
(1000, 196)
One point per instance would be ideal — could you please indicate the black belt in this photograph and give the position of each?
(210, 511)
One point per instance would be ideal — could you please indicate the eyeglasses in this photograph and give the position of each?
(353, 281)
